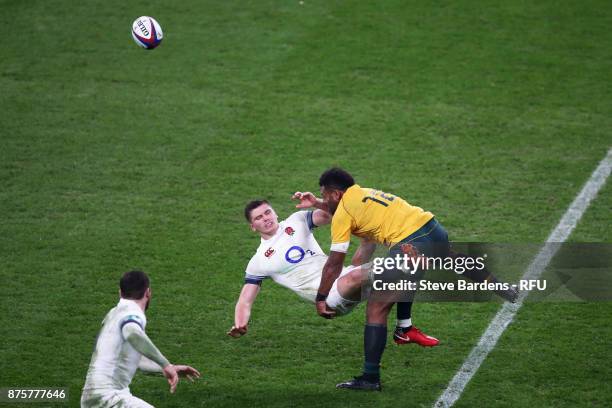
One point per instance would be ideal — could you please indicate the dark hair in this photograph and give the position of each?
(251, 205)
(336, 178)
(134, 284)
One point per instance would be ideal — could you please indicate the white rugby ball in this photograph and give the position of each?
(147, 32)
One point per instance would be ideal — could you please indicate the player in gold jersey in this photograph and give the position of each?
(379, 218)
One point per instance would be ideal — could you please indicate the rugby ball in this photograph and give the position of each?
(147, 32)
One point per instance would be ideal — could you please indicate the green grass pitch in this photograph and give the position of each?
(490, 114)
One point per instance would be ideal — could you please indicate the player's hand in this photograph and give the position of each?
(324, 311)
(172, 376)
(307, 199)
(187, 371)
(237, 331)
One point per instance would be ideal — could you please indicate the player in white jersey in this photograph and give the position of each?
(122, 347)
(290, 255)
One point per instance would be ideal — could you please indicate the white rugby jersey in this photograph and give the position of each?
(292, 257)
(114, 360)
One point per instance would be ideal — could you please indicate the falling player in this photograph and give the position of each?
(290, 255)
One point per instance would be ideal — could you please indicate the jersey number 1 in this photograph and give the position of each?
(388, 197)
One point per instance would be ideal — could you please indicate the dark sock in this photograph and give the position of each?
(404, 310)
(374, 341)
(371, 377)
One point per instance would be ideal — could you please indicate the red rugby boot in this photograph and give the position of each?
(413, 335)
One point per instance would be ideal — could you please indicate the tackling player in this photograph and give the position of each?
(123, 346)
(290, 255)
(388, 220)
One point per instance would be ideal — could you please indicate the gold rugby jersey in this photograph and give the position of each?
(374, 215)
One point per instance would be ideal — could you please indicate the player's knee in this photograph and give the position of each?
(349, 284)
(355, 279)
(378, 310)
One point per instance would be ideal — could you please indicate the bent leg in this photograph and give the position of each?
(349, 285)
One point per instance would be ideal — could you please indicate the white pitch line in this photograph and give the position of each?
(505, 315)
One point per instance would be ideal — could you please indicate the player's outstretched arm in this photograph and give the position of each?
(173, 372)
(134, 335)
(149, 366)
(242, 312)
(138, 339)
(309, 200)
(321, 216)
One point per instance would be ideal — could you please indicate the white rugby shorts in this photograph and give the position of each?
(335, 301)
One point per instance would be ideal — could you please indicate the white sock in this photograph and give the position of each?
(404, 322)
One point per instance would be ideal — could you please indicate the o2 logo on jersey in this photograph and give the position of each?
(295, 254)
